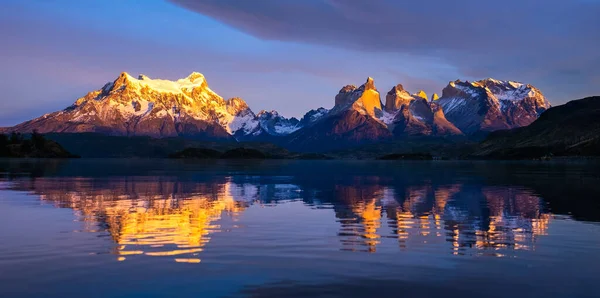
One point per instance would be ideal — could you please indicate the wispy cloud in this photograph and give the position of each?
(528, 40)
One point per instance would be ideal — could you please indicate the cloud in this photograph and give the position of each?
(541, 42)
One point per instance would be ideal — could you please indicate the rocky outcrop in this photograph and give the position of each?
(421, 117)
(313, 116)
(364, 99)
(396, 98)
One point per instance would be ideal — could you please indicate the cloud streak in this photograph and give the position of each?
(542, 42)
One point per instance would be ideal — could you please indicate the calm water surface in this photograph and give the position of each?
(159, 228)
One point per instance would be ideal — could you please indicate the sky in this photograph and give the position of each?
(292, 55)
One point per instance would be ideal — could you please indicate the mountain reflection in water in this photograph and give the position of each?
(174, 217)
(278, 228)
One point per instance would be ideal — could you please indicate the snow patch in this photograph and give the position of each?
(285, 129)
(247, 122)
(387, 118)
(167, 86)
(451, 104)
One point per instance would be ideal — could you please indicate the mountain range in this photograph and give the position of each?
(188, 108)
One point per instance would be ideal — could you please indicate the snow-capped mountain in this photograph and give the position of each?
(313, 115)
(277, 125)
(489, 105)
(187, 107)
(160, 108)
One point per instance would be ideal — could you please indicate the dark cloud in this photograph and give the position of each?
(543, 42)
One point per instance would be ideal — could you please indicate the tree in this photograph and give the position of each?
(3, 145)
(16, 138)
(38, 140)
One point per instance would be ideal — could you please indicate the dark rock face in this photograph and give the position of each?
(345, 129)
(441, 126)
(406, 124)
(396, 98)
(489, 105)
(313, 116)
(346, 95)
(422, 118)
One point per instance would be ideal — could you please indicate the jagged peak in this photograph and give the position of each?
(347, 88)
(435, 97)
(396, 89)
(194, 76)
(421, 94)
(237, 102)
(124, 74)
(265, 113)
(492, 80)
(369, 84)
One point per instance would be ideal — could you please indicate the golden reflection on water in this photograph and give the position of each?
(172, 219)
(151, 223)
(514, 221)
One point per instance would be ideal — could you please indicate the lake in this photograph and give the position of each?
(276, 228)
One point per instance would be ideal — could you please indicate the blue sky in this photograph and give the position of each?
(291, 55)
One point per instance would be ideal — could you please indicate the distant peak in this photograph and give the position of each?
(435, 97)
(143, 77)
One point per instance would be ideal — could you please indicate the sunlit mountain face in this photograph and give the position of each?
(178, 217)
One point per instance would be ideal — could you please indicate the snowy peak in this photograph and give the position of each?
(313, 116)
(277, 125)
(491, 104)
(196, 78)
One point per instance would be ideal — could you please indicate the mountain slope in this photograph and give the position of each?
(489, 105)
(354, 120)
(142, 106)
(569, 129)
